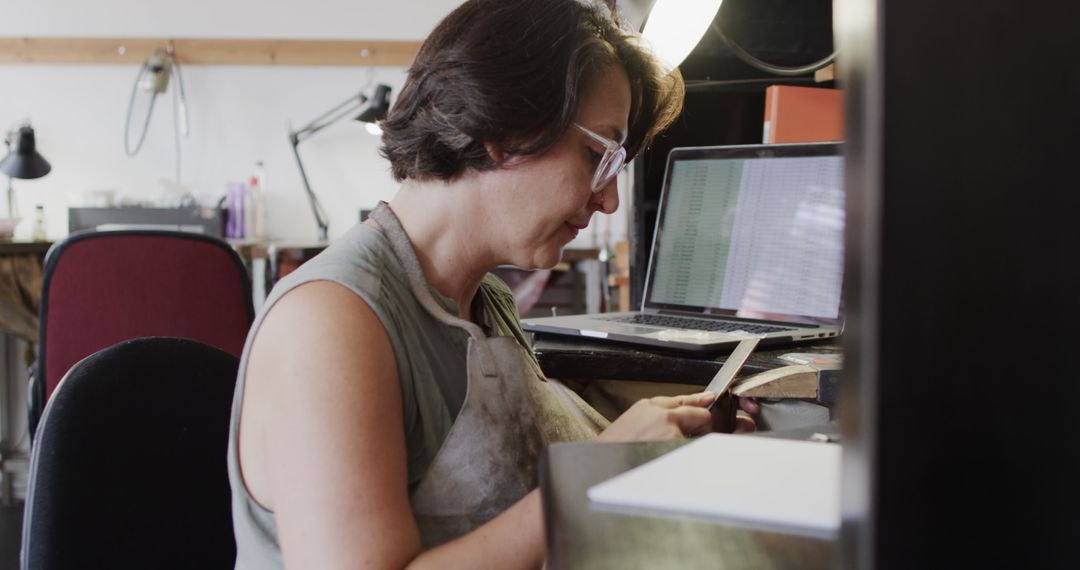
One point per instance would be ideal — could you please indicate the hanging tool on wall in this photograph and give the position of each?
(153, 80)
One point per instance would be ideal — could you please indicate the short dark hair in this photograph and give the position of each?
(512, 73)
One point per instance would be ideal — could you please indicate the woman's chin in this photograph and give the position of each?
(547, 258)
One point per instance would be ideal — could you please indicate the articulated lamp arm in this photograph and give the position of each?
(344, 109)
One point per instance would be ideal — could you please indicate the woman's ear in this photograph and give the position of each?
(497, 155)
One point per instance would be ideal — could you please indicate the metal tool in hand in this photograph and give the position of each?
(726, 375)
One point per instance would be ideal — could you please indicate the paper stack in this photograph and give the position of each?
(781, 484)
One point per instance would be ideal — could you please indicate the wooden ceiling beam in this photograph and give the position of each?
(209, 51)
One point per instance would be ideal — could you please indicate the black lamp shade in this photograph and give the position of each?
(379, 107)
(25, 162)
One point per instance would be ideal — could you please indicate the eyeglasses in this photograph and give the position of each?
(611, 163)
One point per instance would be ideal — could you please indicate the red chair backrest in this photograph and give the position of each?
(101, 288)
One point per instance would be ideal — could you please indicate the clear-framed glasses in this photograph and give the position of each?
(611, 163)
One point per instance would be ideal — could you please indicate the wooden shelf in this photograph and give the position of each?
(209, 51)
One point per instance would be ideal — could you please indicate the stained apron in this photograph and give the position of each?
(511, 412)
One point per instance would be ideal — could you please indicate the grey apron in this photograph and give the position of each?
(511, 412)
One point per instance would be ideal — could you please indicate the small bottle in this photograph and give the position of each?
(260, 201)
(254, 209)
(39, 233)
(249, 211)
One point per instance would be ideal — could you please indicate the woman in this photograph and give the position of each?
(388, 413)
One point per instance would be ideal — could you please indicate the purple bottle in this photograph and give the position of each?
(234, 210)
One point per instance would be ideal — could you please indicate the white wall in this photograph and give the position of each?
(279, 19)
(238, 114)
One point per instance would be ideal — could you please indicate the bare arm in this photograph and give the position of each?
(323, 444)
(327, 433)
(323, 420)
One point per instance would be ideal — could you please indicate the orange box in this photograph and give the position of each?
(803, 114)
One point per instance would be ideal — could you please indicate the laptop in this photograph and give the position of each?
(749, 242)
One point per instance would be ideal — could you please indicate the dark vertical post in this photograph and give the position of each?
(963, 283)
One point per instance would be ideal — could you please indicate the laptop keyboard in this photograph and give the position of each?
(695, 324)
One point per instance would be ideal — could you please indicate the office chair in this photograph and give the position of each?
(129, 467)
(100, 288)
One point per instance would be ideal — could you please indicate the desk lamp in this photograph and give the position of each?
(373, 109)
(674, 27)
(24, 162)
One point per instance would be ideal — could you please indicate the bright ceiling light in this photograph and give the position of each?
(675, 27)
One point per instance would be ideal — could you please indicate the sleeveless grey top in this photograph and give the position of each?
(431, 361)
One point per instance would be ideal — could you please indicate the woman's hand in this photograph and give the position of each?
(664, 418)
(745, 423)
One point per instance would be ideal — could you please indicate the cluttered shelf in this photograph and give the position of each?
(21, 265)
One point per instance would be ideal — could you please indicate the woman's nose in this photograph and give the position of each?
(607, 198)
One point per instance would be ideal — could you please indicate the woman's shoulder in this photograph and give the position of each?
(361, 260)
(362, 248)
(330, 304)
(357, 269)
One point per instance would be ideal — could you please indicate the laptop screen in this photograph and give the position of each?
(753, 231)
